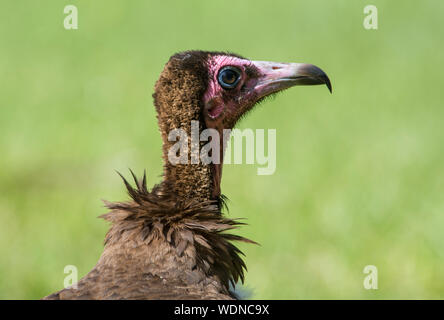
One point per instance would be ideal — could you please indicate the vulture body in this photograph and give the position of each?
(173, 242)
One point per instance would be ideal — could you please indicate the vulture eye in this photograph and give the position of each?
(229, 77)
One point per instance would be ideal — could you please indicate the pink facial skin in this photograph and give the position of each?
(223, 107)
(213, 97)
(258, 79)
(214, 65)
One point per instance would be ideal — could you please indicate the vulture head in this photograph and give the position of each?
(216, 89)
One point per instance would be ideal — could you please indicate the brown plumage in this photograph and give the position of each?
(173, 242)
(161, 247)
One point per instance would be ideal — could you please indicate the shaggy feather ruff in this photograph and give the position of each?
(183, 223)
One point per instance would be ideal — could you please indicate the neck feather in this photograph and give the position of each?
(189, 180)
(194, 233)
(178, 100)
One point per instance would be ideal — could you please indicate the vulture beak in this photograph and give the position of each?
(279, 76)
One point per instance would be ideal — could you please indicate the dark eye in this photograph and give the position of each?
(229, 77)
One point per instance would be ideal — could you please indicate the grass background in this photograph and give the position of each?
(360, 173)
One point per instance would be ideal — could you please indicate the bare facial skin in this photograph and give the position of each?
(254, 81)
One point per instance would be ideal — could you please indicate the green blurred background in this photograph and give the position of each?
(360, 173)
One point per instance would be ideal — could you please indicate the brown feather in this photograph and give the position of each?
(140, 254)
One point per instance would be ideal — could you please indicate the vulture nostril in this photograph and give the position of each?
(276, 67)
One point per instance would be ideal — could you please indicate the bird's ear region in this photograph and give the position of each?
(214, 107)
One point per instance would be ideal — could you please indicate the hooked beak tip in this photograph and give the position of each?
(328, 84)
(315, 75)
